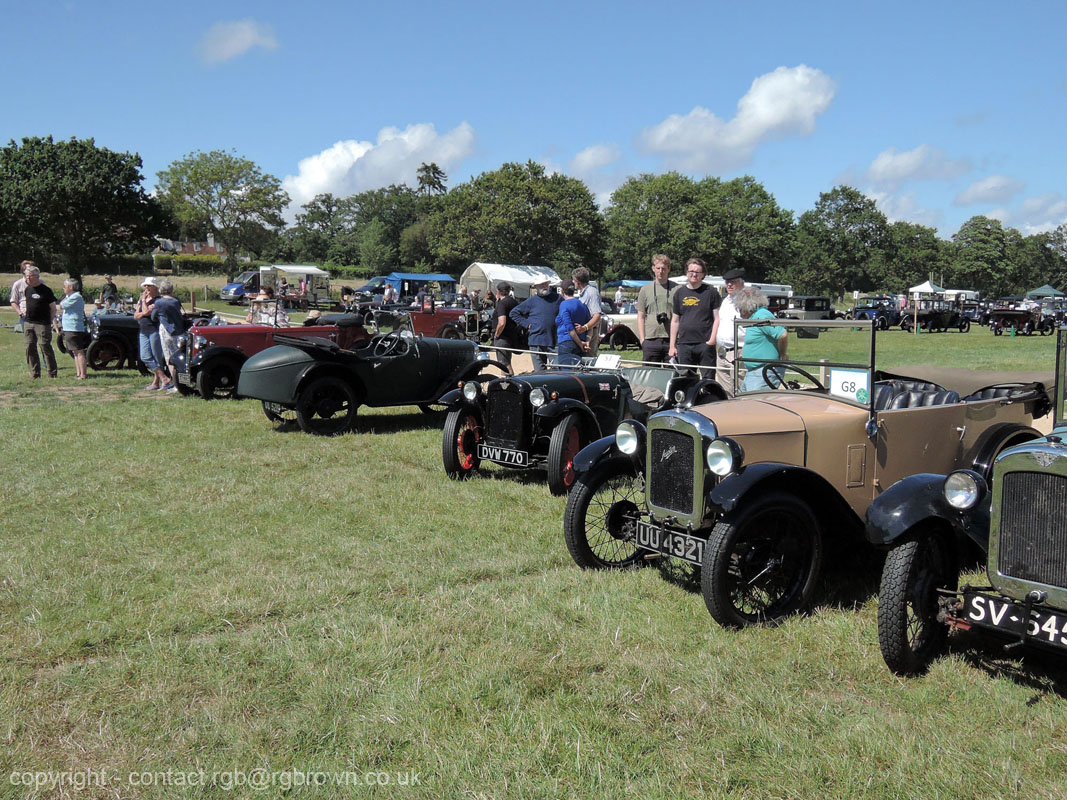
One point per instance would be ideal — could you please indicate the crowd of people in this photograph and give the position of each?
(564, 322)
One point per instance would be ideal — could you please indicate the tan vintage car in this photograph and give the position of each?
(755, 489)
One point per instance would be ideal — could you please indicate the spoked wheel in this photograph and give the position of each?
(909, 634)
(105, 354)
(280, 415)
(763, 564)
(459, 444)
(563, 446)
(449, 332)
(599, 524)
(327, 407)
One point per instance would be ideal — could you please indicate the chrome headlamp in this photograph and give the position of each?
(538, 398)
(471, 390)
(724, 456)
(963, 489)
(627, 439)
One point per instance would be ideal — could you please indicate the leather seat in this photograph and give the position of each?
(922, 399)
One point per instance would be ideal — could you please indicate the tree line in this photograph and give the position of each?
(69, 203)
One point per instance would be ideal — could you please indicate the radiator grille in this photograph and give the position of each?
(670, 478)
(1033, 527)
(507, 417)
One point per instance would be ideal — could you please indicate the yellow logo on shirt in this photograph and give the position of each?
(690, 301)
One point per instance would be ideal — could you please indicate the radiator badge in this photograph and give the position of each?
(670, 451)
(672, 421)
(1044, 459)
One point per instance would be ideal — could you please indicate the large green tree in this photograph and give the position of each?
(519, 215)
(66, 203)
(984, 256)
(225, 193)
(911, 255)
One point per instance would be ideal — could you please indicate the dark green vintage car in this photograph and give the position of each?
(322, 384)
(542, 419)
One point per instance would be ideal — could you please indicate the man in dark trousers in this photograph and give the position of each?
(696, 312)
(506, 331)
(537, 313)
(37, 332)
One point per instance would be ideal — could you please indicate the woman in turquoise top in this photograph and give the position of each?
(72, 324)
(765, 343)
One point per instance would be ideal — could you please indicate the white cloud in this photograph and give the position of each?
(994, 189)
(924, 162)
(352, 166)
(1038, 214)
(904, 207)
(226, 40)
(780, 103)
(595, 157)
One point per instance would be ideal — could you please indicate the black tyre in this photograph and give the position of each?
(218, 380)
(459, 444)
(881, 323)
(450, 332)
(598, 524)
(762, 565)
(106, 354)
(965, 325)
(183, 390)
(909, 634)
(279, 415)
(563, 446)
(327, 407)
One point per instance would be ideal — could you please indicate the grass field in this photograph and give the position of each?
(184, 590)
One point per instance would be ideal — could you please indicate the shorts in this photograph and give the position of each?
(75, 340)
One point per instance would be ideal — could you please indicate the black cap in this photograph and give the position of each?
(734, 274)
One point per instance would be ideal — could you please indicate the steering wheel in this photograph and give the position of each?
(391, 344)
(771, 378)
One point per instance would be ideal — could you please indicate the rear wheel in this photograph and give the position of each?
(965, 325)
(762, 565)
(599, 524)
(459, 444)
(218, 380)
(106, 354)
(881, 323)
(327, 407)
(563, 446)
(909, 633)
(449, 332)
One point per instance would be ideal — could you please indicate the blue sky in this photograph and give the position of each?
(938, 110)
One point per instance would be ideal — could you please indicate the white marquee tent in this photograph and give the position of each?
(486, 276)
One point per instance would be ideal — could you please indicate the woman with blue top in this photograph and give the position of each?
(72, 325)
(765, 343)
(572, 315)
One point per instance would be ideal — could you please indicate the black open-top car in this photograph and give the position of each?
(1013, 509)
(542, 419)
(322, 384)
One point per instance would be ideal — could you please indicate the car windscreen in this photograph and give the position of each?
(806, 355)
(1061, 376)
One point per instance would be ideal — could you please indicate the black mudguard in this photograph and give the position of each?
(738, 487)
(592, 454)
(917, 499)
(568, 405)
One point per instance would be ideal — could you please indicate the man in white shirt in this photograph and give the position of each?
(727, 350)
(590, 297)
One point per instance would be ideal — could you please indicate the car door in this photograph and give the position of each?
(913, 440)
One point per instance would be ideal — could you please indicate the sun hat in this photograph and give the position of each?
(150, 282)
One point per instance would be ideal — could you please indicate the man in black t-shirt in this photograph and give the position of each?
(696, 310)
(37, 332)
(506, 332)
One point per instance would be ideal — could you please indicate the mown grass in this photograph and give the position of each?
(183, 587)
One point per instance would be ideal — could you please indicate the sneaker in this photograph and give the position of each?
(171, 390)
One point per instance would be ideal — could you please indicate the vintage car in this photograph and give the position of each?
(883, 309)
(1013, 510)
(321, 384)
(935, 316)
(809, 307)
(1018, 315)
(114, 341)
(210, 356)
(542, 419)
(755, 489)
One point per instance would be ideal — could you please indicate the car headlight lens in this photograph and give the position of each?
(626, 439)
(962, 490)
(679, 395)
(538, 398)
(200, 342)
(471, 390)
(722, 457)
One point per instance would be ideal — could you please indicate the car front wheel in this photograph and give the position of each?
(327, 407)
(218, 380)
(563, 446)
(105, 354)
(909, 634)
(762, 564)
(599, 523)
(459, 444)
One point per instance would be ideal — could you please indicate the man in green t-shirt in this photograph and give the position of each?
(654, 312)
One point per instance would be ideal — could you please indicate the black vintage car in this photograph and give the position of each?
(114, 343)
(1011, 509)
(542, 419)
(322, 384)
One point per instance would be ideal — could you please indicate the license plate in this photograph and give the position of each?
(670, 543)
(503, 455)
(185, 379)
(1043, 626)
